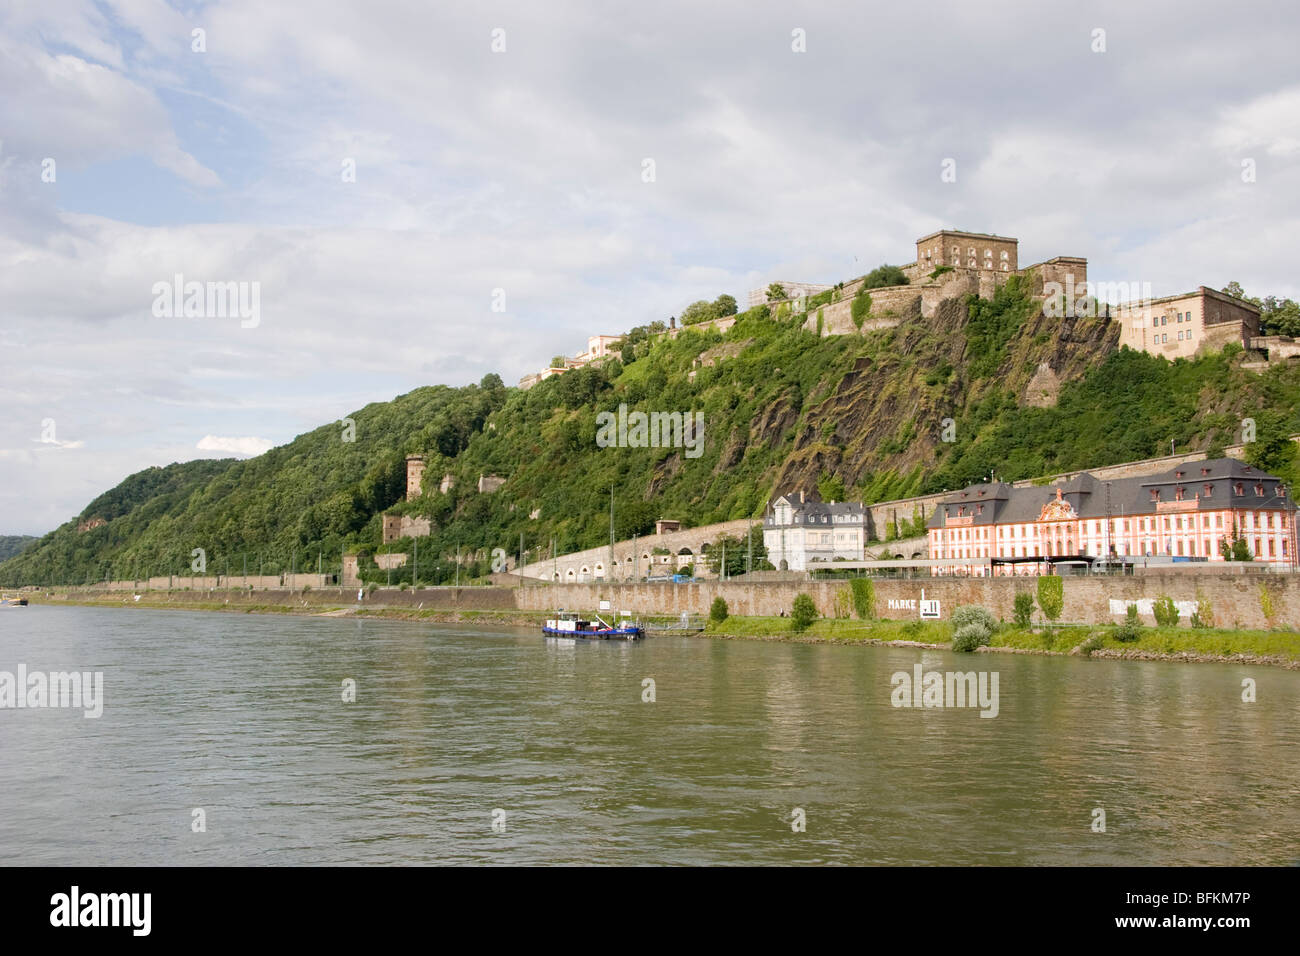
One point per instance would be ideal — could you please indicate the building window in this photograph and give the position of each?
(1004, 267)
(1237, 489)
(1005, 255)
(1155, 320)
(1259, 491)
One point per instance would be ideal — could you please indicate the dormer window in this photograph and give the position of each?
(1259, 490)
(1204, 472)
(1155, 494)
(1207, 490)
(1237, 489)
(979, 509)
(1178, 474)
(1178, 493)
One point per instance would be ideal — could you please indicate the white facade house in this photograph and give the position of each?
(802, 533)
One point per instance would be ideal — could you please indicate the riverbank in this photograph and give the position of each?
(1199, 645)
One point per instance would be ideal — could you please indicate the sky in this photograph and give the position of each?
(424, 193)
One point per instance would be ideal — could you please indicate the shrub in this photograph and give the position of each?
(1024, 608)
(718, 610)
(969, 637)
(1095, 642)
(404, 586)
(972, 627)
(1131, 615)
(1203, 616)
(1128, 632)
(1166, 614)
(864, 598)
(973, 614)
(882, 276)
(803, 613)
(1051, 596)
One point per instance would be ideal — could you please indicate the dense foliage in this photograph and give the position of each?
(11, 544)
(854, 415)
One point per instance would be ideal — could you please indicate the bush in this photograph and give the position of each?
(803, 613)
(1203, 616)
(1051, 596)
(1095, 642)
(973, 614)
(1131, 615)
(1024, 608)
(718, 610)
(1128, 632)
(882, 276)
(972, 627)
(1166, 614)
(404, 586)
(967, 638)
(864, 598)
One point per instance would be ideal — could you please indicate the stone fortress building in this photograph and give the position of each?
(1180, 326)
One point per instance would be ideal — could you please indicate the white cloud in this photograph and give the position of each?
(237, 446)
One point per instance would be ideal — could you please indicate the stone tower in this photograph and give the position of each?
(414, 475)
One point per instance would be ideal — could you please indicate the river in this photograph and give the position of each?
(492, 745)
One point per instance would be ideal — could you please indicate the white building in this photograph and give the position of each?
(801, 532)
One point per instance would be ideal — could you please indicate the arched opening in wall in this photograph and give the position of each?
(785, 565)
(556, 576)
(600, 571)
(569, 575)
(916, 555)
(898, 557)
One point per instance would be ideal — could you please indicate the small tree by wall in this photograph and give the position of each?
(1024, 611)
(1051, 596)
(718, 610)
(803, 613)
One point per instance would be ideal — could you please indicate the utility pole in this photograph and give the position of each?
(636, 564)
(555, 564)
(415, 562)
(521, 553)
(457, 564)
(722, 569)
(610, 575)
(749, 558)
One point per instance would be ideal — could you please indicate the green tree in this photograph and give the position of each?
(699, 311)
(1024, 609)
(831, 488)
(1273, 451)
(882, 276)
(725, 305)
(1165, 611)
(718, 610)
(491, 381)
(803, 613)
(775, 292)
(1051, 596)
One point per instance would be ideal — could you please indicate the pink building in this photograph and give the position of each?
(1183, 515)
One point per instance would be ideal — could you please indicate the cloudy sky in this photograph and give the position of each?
(503, 146)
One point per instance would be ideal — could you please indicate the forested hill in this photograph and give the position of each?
(862, 416)
(11, 544)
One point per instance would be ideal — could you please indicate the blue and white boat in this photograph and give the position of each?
(571, 626)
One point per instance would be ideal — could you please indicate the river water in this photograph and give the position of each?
(492, 745)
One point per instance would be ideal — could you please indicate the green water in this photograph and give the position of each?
(242, 716)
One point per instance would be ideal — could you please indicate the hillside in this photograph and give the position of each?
(11, 544)
(860, 416)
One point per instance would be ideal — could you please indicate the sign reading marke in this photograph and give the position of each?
(929, 610)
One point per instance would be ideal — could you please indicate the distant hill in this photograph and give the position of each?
(11, 544)
(931, 403)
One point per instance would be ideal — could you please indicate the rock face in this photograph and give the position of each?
(1043, 388)
(889, 410)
